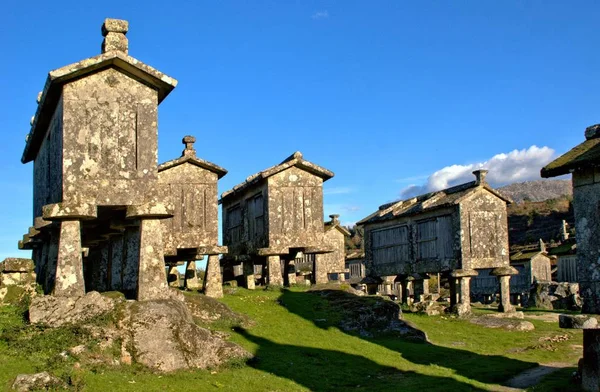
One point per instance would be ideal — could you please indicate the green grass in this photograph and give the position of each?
(298, 347)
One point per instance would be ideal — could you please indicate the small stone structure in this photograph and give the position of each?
(583, 161)
(273, 216)
(17, 278)
(455, 231)
(97, 201)
(355, 264)
(192, 232)
(532, 264)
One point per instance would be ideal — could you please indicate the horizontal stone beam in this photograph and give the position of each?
(150, 211)
(64, 211)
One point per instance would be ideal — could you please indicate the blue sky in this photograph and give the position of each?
(384, 94)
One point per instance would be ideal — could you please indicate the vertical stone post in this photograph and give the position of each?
(425, 284)
(463, 288)
(152, 282)
(590, 364)
(173, 277)
(275, 277)
(291, 272)
(213, 280)
(342, 277)
(249, 279)
(320, 269)
(116, 256)
(504, 274)
(130, 260)
(191, 276)
(69, 264)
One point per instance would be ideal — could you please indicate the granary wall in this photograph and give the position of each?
(110, 140)
(586, 199)
(295, 209)
(335, 262)
(47, 167)
(193, 192)
(541, 269)
(245, 223)
(428, 242)
(484, 231)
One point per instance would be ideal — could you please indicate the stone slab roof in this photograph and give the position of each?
(427, 202)
(218, 170)
(341, 229)
(586, 154)
(296, 159)
(56, 79)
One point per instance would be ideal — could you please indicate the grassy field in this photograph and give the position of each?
(298, 347)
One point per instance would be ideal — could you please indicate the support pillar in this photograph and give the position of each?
(504, 274)
(152, 282)
(291, 272)
(405, 284)
(69, 264)
(249, 279)
(213, 281)
(275, 277)
(320, 269)
(191, 276)
(116, 262)
(173, 277)
(463, 289)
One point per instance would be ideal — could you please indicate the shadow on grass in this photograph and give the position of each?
(328, 370)
(494, 369)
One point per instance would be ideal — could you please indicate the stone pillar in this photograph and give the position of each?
(291, 272)
(342, 277)
(213, 280)
(173, 277)
(116, 262)
(249, 279)
(320, 269)
(275, 277)
(504, 274)
(425, 285)
(405, 290)
(69, 264)
(152, 282)
(130, 261)
(191, 276)
(453, 292)
(463, 288)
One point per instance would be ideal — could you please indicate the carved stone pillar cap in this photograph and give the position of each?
(114, 26)
(461, 273)
(504, 271)
(150, 211)
(65, 211)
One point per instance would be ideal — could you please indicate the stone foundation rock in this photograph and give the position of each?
(555, 295)
(57, 311)
(579, 321)
(430, 308)
(504, 323)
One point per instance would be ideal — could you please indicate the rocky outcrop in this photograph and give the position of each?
(510, 324)
(57, 311)
(555, 295)
(160, 334)
(36, 382)
(430, 308)
(577, 321)
(165, 338)
(207, 310)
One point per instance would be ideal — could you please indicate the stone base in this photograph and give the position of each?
(462, 309)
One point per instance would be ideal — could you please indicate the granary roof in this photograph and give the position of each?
(334, 223)
(524, 256)
(355, 255)
(111, 58)
(568, 248)
(586, 154)
(429, 202)
(189, 155)
(296, 159)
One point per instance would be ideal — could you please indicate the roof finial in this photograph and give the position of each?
(480, 176)
(189, 146)
(335, 219)
(113, 31)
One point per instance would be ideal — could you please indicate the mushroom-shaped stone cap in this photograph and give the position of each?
(462, 273)
(504, 271)
(114, 26)
(188, 139)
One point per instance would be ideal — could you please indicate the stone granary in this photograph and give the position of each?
(454, 231)
(334, 262)
(193, 231)
(97, 203)
(533, 265)
(275, 215)
(583, 161)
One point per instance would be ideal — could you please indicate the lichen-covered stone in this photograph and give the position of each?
(577, 321)
(14, 264)
(36, 382)
(56, 311)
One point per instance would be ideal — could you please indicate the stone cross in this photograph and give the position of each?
(113, 31)
(189, 146)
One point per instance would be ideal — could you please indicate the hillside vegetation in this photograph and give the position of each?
(299, 346)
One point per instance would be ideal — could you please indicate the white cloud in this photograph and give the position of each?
(320, 15)
(337, 190)
(504, 168)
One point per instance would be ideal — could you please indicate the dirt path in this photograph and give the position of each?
(534, 375)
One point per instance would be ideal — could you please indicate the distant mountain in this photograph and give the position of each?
(539, 190)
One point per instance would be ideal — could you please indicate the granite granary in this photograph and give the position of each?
(454, 231)
(97, 201)
(275, 215)
(193, 231)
